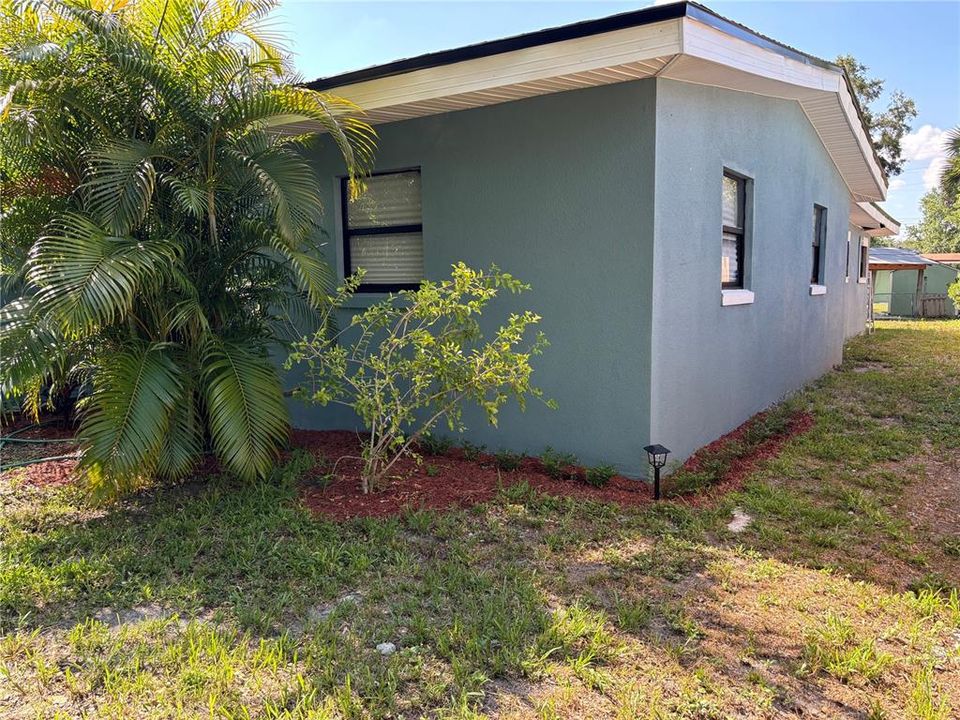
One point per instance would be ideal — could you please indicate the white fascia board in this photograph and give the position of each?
(567, 57)
(691, 51)
(821, 92)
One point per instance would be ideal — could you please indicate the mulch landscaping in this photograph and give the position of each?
(444, 481)
(433, 482)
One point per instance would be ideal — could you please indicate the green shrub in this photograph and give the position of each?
(472, 452)
(600, 475)
(506, 460)
(434, 444)
(954, 292)
(558, 465)
(413, 360)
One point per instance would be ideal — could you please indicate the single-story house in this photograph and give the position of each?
(908, 284)
(690, 201)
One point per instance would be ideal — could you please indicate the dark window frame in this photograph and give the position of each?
(740, 232)
(347, 233)
(819, 242)
(846, 275)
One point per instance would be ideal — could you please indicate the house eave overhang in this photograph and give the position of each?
(873, 220)
(683, 41)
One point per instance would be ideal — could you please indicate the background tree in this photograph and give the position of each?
(158, 234)
(887, 126)
(939, 228)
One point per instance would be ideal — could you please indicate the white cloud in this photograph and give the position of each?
(896, 184)
(924, 144)
(931, 176)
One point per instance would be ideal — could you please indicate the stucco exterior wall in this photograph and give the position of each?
(557, 190)
(715, 366)
(856, 294)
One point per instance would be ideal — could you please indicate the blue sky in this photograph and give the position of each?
(914, 46)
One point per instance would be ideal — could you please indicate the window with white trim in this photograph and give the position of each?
(383, 232)
(864, 259)
(733, 237)
(819, 241)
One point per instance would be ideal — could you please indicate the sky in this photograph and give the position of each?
(913, 46)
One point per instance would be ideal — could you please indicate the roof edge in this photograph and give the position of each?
(573, 31)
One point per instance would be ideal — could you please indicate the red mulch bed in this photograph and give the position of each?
(458, 482)
(52, 472)
(741, 467)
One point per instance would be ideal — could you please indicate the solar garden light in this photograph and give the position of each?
(657, 457)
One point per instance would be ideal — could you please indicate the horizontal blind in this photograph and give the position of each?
(392, 199)
(391, 259)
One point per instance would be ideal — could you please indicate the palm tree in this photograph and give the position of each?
(160, 233)
(950, 180)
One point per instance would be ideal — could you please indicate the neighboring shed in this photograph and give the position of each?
(907, 284)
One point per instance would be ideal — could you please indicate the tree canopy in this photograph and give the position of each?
(159, 233)
(887, 125)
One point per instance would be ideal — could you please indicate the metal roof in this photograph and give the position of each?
(897, 256)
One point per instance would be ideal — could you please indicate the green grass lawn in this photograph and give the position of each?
(218, 599)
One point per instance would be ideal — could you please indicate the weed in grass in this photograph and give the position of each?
(599, 475)
(951, 546)
(506, 460)
(834, 648)
(927, 701)
(932, 581)
(633, 613)
(680, 622)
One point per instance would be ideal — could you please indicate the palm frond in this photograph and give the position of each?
(86, 278)
(128, 416)
(120, 184)
(246, 412)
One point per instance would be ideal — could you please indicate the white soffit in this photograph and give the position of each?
(873, 220)
(682, 49)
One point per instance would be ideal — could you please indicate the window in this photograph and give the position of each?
(383, 232)
(846, 275)
(819, 237)
(732, 257)
(864, 260)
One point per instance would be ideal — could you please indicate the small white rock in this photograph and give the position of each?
(386, 648)
(740, 521)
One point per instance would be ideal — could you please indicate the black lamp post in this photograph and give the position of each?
(657, 457)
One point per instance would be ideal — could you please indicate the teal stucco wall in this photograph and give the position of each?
(715, 366)
(557, 190)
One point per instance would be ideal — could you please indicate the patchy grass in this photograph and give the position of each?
(217, 599)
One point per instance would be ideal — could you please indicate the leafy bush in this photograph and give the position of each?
(507, 461)
(472, 452)
(557, 464)
(954, 292)
(600, 475)
(414, 360)
(434, 444)
(158, 234)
